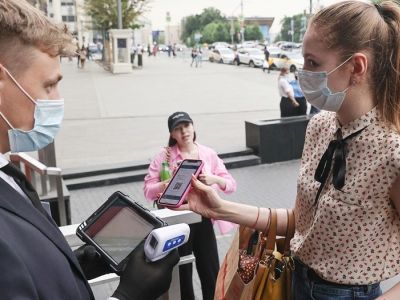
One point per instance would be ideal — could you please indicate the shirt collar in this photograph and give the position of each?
(3, 160)
(178, 154)
(357, 124)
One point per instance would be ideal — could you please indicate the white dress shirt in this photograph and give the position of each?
(3, 162)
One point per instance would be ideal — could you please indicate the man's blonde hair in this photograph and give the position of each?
(22, 26)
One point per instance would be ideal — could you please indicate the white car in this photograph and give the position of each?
(250, 56)
(219, 45)
(222, 55)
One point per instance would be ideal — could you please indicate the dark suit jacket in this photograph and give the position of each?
(35, 259)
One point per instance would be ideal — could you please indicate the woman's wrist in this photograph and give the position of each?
(221, 183)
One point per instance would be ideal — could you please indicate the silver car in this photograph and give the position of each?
(250, 56)
(222, 55)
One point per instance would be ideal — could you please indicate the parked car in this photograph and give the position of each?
(219, 45)
(222, 55)
(95, 53)
(162, 47)
(250, 56)
(291, 60)
(250, 44)
(180, 47)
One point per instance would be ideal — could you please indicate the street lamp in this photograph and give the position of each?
(119, 9)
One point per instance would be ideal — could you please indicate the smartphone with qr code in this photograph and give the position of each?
(179, 186)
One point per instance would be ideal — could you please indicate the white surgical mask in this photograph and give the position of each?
(314, 86)
(48, 116)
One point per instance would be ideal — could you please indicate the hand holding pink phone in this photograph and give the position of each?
(179, 186)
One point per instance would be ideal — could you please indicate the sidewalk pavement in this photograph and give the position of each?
(272, 185)
(123, 118)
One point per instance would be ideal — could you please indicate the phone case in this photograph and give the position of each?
(139, 209)
(187, 189)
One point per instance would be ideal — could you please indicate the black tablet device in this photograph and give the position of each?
(117, 227)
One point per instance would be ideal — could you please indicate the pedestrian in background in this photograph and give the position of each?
(134, 50)
(288, 105)
(347, 208)
(298, 95)
(155, 49)
(78, 55)
(202, 242)
(82, 56)
(149, 50)
(194, 56)
(199, 57)
(267, 65)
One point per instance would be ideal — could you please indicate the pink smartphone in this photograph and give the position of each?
(179, 186)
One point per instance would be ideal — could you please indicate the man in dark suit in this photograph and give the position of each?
(35, 260)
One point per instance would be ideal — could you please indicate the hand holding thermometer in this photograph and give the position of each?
(162, 240)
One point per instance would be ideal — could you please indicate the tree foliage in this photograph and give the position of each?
(252, 33)
(216, 31)
(105, 16)
(197, 23)
(298, 26)
(214, 27)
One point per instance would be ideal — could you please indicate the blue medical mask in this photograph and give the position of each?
(48, 116)
(314, 86)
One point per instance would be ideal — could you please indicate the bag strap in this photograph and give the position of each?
(289, 230)
(271, 237)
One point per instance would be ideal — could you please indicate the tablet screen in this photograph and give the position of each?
(119, 230)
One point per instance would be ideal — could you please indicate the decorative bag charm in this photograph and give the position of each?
(247, 266)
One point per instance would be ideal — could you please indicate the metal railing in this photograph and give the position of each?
(169, 216)
(31, 167)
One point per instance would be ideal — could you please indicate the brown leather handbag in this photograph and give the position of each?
(254, 268)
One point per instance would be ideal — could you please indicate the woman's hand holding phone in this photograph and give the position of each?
(203, 199)
(163, 185)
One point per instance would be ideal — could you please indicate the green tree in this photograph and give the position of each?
(208, 33)
(197, 23)
(210, 15)
(190, 25)
(286, 34)
(221, 33)
(104, 13)
(252, 33)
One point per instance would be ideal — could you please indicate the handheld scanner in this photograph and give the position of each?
(162, 240)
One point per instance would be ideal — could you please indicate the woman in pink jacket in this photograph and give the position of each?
(202, 239)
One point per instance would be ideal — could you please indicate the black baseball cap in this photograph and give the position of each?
(178, 117)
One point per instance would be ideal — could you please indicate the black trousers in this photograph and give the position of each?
(203, 244)
(289, 110)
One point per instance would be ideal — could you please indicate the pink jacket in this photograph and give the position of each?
(212, 165)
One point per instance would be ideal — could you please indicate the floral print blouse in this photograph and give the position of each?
(352, 235)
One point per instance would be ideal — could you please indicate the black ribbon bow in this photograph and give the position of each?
(336, 154)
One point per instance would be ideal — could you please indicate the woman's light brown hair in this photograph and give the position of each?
(355, 26)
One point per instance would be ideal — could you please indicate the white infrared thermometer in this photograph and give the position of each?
(162, 240)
